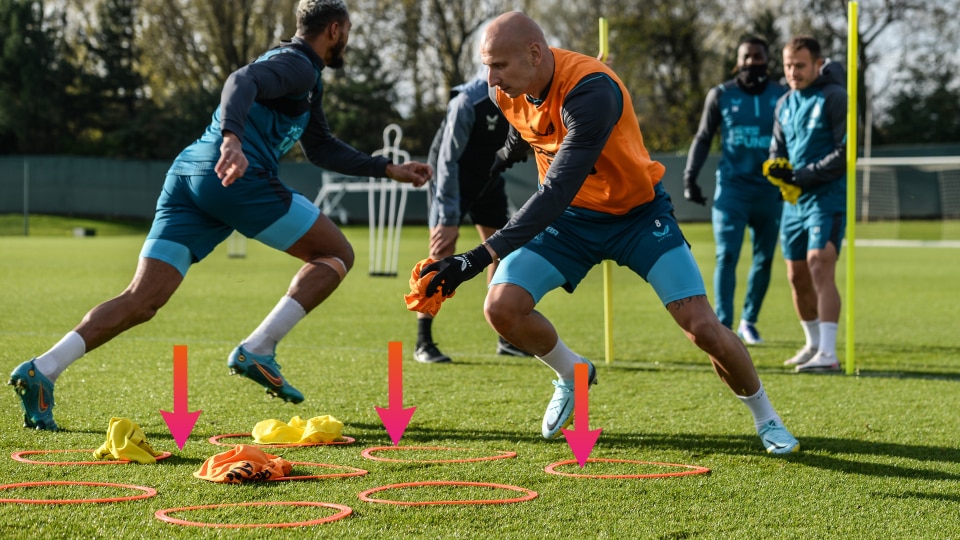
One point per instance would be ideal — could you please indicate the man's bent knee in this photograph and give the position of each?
(505, 303)
(696, 318)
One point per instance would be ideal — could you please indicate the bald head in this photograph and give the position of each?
(513, 29)
(514, 48)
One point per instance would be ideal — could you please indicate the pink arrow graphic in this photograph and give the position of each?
(395, 418)
(581, 439)
(180, 422)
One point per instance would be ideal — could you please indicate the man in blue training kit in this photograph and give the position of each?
(808, 150)
(468, 180)
(741, 109)
(225, 181)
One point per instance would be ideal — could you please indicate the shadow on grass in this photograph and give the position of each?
(919, 495)
(418, 435)
(680, 365)
(912, 349)
(829, 453)
(151, 435)
(177, 459)
(898, 374)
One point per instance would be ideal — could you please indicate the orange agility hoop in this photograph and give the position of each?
(147, 493)
(18, 456)
(368, 453)
(344, 511)
(529, 495)
(353, 472)
(690, 469)
(216, 440)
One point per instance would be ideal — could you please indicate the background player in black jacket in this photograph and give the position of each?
(468, 181)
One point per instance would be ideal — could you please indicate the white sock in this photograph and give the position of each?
(811, 329)
(278, 323)
(562, 360)
(760, 408)
(828, 338)
(67, 351)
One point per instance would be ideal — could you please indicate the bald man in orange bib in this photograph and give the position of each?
(599, 197)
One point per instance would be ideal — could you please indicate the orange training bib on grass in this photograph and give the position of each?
(244, 463)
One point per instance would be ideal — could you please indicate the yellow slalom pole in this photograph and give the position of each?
(607, 265)
(604, 39)
(852, 40)
(608, 310)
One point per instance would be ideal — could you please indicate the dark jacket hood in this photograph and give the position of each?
(831, 73)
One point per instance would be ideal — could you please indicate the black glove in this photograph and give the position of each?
(452, 271)
(692, 193)
(782, 172)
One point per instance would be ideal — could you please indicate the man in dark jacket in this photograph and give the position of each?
(463, 153)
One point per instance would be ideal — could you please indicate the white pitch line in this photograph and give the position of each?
(907, 243)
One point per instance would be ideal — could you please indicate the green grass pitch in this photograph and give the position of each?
(879, 458)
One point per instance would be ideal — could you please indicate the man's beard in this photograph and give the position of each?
(336, 62)
(753, 77)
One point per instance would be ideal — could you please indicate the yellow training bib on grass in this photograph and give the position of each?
(125, 440)
(319, 429)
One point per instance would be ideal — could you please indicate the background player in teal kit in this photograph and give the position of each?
(810, 131)
(228, 180)
(741, 109)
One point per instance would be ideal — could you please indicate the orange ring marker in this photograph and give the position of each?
(147, 493)
(368, 453)
(18, 456)
(216, 440)
(529, 494)
(344, 511)
(693, 469)
(354, 472)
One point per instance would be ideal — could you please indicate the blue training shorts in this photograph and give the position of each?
(801, 232)
(195, 213)
(647, 240)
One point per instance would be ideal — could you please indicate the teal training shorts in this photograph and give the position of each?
(195, 213)
(802, 231)
(647, 240)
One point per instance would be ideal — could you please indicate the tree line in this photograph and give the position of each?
(140, 78)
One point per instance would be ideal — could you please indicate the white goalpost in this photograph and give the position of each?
(887, 188)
